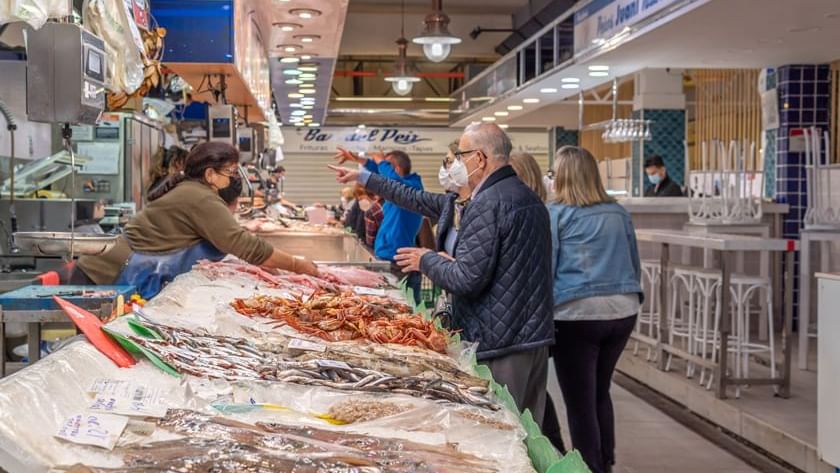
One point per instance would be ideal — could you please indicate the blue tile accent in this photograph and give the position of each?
(564, 137)
(804, 95)
(668, 130)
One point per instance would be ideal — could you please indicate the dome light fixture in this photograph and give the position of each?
(436, 39)
(402, 82)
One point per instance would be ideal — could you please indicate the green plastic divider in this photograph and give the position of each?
(136, 349)
(542, 453)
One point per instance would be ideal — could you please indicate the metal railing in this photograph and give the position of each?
(543, 52)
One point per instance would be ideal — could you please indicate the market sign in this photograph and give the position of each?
(602, 20)
(421, 140)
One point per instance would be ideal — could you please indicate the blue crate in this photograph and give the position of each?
(40, 297)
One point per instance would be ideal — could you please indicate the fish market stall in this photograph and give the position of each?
(238, 369)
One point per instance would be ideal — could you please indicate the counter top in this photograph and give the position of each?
(715, 241)
(669, 205)
(832, 276)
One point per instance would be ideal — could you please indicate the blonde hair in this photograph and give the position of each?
(577, 181)
(528, 170)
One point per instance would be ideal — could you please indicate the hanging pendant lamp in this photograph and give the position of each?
(436, 39)
(401, 80)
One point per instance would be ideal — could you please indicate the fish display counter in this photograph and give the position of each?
(239, 369)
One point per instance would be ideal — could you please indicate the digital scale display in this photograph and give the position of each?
(221, 128)
(93, 67)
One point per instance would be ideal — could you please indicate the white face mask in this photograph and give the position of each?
(445, 180)
(365, 205)
(458, 173)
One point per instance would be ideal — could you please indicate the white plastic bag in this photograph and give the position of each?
(110, 20)
(34, 12)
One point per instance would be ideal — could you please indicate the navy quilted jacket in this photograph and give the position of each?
(500, 280)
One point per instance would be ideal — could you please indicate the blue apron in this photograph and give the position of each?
(149, 273)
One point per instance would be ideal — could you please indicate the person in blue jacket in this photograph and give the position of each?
(399, 226)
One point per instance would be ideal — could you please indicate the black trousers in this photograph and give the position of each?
(585, 354)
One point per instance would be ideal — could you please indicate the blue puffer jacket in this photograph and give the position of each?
(594, 252)
(500, 280)
(399, 226)
(439, 208)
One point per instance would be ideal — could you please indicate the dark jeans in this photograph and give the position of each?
(551, 425)
(585, 354)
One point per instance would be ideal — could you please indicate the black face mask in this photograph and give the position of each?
(230, 193)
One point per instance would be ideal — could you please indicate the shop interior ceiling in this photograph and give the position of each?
(359, 93)
(726, 34)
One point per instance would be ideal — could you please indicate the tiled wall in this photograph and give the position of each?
(668, 133)
(804, 101)
(564, 137)
(770, 147)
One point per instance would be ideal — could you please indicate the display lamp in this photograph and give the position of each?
(436, 39)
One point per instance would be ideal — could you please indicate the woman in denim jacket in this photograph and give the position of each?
(597, 296)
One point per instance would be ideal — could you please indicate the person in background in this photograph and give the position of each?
(348, 198)
(529, 172)
(661, 183)
(88, 218)
(399, 226)
(597, 295)
(185, 221)
(495, 266)
(373, 219)
(354, 220)
(168, 162)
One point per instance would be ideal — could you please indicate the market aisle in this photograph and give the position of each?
(648, 441)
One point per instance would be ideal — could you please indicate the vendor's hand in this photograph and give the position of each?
(344, 175)
(342, 156)
(305, 266)
(409, 258)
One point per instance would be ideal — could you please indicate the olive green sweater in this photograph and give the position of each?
(184, 216)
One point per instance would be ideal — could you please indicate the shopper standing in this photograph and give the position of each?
(399, 226)
(661, 185)
(528, 171)
(496, 270)
(597, 295)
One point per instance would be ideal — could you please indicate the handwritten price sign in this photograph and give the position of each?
(99, 430)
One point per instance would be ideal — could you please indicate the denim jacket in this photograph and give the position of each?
(593, 252)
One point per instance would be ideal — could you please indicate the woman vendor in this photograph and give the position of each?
(185, 221)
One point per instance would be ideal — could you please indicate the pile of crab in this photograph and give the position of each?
(348, 316)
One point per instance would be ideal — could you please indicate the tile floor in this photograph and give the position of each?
(648, 441)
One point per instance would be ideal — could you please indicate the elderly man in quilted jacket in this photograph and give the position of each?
(500, 273)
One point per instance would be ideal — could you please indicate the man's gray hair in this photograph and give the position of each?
(490, 139)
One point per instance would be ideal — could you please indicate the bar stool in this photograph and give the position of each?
(700, 288)
(741, 344)
(649, 315)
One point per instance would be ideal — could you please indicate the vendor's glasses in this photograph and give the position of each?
(231, 172)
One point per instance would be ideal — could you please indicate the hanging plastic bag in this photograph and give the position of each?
(111, 21)
(33, 12)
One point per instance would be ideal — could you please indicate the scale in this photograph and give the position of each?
(65, 83)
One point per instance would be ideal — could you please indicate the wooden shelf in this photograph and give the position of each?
(237, 92)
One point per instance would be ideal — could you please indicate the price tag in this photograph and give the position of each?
(305, 345)
(99, 430)
(368, 291)
(333, 364)
(126, 398)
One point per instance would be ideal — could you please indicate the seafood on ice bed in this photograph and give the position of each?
(242, 370)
